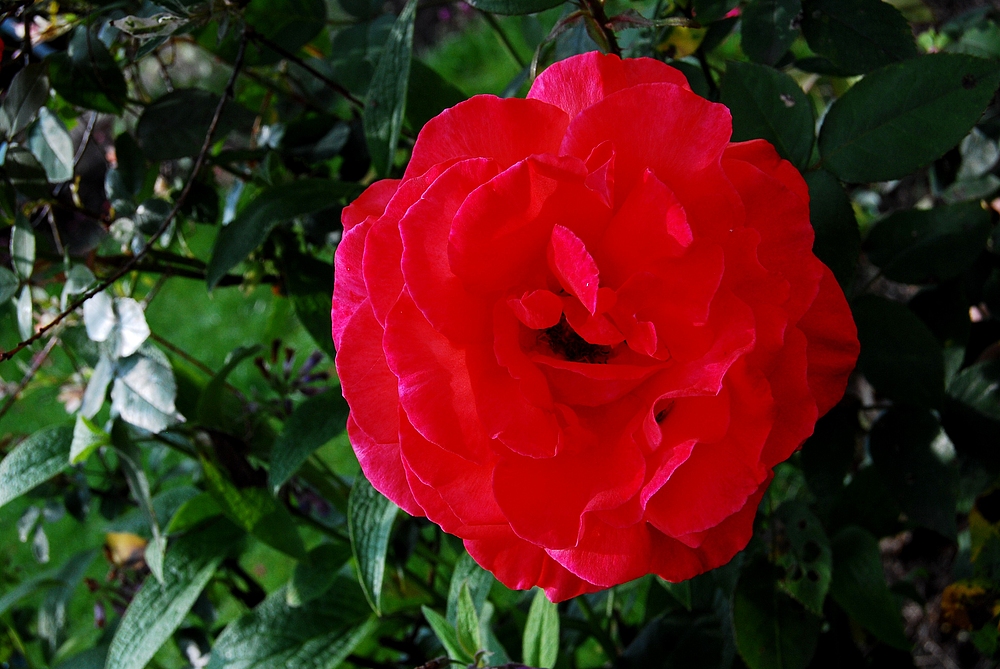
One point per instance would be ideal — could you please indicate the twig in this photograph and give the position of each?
(288, 55)
(198, 364)
(502, 36)
(128, 266)
(36, 364)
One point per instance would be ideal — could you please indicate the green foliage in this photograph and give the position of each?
(186, 415)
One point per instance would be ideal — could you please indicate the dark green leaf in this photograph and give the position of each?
(828, 454)
(857, 35)
(858, 586)
(175, 125)
(676, 641)
(706, 11)
(541, 633)
(445, 632)
(838, 241)
(903, 116)
(769, 28)
(804, 554)
(478, 580)
(901, 445)
(768, 104)
(50, 142)
(26, 94)
(291, 24)
(158, 609)
(369, 518)
(256, 511)
(272, 207)
(679, 591)
(26, 174)
(899, 355)
(773, 631)
(193, 512)
(8, 285)
(52, 614)
(511, 7)
(313, 577)
(34, 461)
(317, 635)
(428, 94)
(309, 283)
(978, 387)
(387, 93)
(87, 75)
(694, 75)
(314, 422)
(924, 246)
(11, 597)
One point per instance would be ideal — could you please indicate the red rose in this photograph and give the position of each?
(583, 327)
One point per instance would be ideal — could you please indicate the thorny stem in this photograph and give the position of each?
(596, 9)
(134, 261)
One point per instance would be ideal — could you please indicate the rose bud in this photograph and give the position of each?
(583, 328)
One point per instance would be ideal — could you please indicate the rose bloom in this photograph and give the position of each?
(583, 328)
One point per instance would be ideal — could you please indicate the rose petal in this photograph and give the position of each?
(370, 204)
(608, 555)
(507, 130)
(574, 84)
(573, 266)
(383, 467)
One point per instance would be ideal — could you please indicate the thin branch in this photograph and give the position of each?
(36, 364)
(131, 264)
(288, 55)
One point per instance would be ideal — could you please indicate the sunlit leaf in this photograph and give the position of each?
(369, 517)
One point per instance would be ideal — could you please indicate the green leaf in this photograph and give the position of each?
(8, 285)
(317, 635)
(773, 631)
(86, 75)
(22, 248)
(159, 609)
(313, 423)
(193, 512)
(270, 208)
(838, 241)
(679, 591)
(828, 454)
(768, 104)
(387, 93)
(49, 141)
(256, 511)
(769, 28)
(514, 7)
(28, 91)
(446, 634)
(52, 614)
(478, 580)
(901, 446)
(87, 438)
(978, 386)
(428, 94)
(540, 645)
(470, 637)
(899, 355)
(309, 283)
(34, 461)
(210, 401)
(857, 35)
(313, 577)
(26, 174)
(928, 246)
(858, 586)
(903, 116)
(26, 588)
(289, 23)
(25, 313)
(175, 125)
(369, 518)
(804, 554)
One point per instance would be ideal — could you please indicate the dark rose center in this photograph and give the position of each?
(566, 343)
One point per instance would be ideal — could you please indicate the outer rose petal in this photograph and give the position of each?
(370, 204)
(506, 130)
(576, 83)
(832, 343)
(608, 555)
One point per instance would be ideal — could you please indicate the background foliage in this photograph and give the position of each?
(176, 488)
